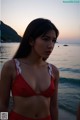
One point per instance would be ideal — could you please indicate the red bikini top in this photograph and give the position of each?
(20, 87)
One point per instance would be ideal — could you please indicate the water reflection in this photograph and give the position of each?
(7, 50)
(67, 59)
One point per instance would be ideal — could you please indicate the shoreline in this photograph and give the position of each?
(66, 115)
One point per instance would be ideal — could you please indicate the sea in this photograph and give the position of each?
(67, 60)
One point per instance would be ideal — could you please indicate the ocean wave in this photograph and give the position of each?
(69, 101)
(73, 111)
(70, 70)
(70, 81)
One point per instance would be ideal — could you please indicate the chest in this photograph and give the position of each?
(30, 81)
(38, 78)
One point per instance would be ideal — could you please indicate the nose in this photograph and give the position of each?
(50, 44)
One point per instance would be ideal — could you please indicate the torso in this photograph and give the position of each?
(39, 80)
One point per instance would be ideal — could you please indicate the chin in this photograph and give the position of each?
(45, 58)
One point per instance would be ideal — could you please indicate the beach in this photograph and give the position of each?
(65, 115)
(67, 61)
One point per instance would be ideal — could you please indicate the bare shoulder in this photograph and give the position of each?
(8, 64)
(8, 67)
(55, 71)
(7, 74)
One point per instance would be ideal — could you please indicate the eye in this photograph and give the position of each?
(54, 40)
(45, 39)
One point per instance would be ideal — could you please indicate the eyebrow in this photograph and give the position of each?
(48, 36)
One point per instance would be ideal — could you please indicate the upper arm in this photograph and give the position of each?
(54, 101)
(5, 83)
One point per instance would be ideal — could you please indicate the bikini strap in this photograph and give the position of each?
(17, 63)
(50, 69)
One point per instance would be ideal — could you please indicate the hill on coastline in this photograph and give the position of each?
(8, 34)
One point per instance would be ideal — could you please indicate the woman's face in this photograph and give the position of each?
(44, 45)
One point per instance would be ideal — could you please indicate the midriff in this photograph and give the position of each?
(35, 106)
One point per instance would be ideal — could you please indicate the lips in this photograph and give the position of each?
(48, 52)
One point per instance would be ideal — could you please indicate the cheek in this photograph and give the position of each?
(39, 45)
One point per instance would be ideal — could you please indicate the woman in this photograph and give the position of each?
(33, 81)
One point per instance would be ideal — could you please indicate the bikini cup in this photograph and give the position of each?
(21, 88)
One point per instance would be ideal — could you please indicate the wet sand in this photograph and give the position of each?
(65, 115)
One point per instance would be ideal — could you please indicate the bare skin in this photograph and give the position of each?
(35, 73)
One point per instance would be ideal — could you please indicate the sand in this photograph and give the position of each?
(65, 115)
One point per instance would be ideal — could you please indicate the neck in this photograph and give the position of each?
(33, 59)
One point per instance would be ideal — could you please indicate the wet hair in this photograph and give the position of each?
(36, 28)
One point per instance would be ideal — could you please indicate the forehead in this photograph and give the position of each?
(51, 34)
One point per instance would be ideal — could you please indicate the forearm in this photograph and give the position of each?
(54, 113)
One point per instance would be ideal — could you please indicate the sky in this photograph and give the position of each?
(65, 15)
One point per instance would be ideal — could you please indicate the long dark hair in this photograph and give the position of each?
(35, 29)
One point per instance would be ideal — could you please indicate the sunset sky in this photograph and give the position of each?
(66, 16)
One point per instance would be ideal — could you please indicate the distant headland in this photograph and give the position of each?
(8, 34)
